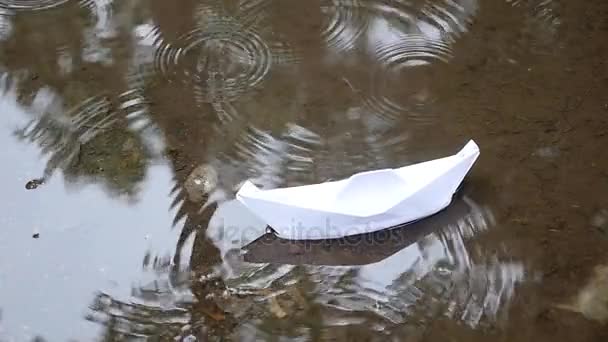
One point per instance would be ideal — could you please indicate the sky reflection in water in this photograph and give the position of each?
(116, 210)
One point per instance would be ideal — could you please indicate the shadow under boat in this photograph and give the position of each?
(362, 249)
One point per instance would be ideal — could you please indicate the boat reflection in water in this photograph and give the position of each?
(420, 271)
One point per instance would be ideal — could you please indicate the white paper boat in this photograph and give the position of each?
(363, 203)
(370, 248)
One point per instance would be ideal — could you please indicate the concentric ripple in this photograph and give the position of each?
(60, 134)
(415, 274)
(269, 159)
(412, 50)
(222, 60)
(229, 53)
(264, 155)
(6, 25)
(544, 11)
(135, 106)
(345, 24)
(402, 38)
(61, 137)
(407, 54)
(450, 18)
(541, 20)
(31, 5)
(255, 13)
(351, 22)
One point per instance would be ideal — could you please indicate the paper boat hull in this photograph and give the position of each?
(363, 249)
(364, 203)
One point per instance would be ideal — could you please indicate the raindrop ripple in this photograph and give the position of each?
(409, 52)
(31, 5)
(229, 59)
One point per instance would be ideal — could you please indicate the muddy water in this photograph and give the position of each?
(126, 128)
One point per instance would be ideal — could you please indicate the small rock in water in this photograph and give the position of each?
(276, 308)
(592, 300)
(200, 182)
(600, 221)
(34, 183)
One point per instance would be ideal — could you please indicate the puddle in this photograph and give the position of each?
(127, 127)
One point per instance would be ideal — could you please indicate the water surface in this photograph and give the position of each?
(128, 126)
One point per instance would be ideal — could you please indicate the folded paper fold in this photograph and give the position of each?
(365, 202)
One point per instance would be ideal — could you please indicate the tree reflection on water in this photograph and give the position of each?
(221, 124)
